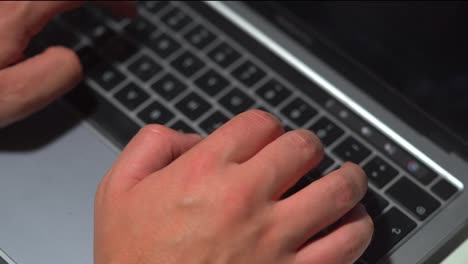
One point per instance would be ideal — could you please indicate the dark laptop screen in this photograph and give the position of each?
(420, 49)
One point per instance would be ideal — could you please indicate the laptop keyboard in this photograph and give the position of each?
(171, 65)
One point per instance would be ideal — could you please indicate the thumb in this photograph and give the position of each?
(152, 149)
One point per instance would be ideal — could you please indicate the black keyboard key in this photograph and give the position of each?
(182, 127)
(200, 37)
(213, 122)
(140, 28)
(119, 49)
(193, 106)
(379, 172)
(413, 198)
(168, 87)
(176, 19)
(368, 133)
(101, 34)
(260, 107)
(153, 7)
(224, 55)
(287, 128)
(369, 195)
(75, 16)
(107, 13)
(163, 45)
(144, 67)
(248, 73)
(107, 76)
(351, 150)
(188, 64)
(53, 29)
(131, 96)
(374, 204)
(212, 82)
(324, 165)
(35, 46)
(414, 167)
(103, 114)
(299, 112)
(83, 19)
(155, 113)
(349, 118)
(390, 229)
(89, 58)
(327, 131)
(236, 101)
(273, 92)
(444, 189)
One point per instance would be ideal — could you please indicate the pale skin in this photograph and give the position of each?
(179, 198)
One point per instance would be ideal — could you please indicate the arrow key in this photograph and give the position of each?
(390, 229)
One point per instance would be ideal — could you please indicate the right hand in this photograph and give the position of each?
(173, 198)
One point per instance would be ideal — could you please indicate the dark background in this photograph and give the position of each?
(420, 49)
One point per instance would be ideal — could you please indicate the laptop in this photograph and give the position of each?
(382, 85)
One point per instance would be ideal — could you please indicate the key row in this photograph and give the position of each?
(273, 92)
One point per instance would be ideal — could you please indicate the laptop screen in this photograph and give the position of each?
(419, 49)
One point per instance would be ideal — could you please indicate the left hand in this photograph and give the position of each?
(29, 85)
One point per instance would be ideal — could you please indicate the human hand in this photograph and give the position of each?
(172, 198)
(27, 86)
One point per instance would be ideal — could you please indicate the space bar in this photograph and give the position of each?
(104, 116)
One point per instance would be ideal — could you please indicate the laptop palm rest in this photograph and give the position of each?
(50, 166)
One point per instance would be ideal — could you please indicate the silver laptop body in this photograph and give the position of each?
(52, 162)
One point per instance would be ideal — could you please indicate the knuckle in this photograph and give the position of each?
(203, 164)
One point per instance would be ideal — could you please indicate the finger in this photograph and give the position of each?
(343, 245)
(282, 162)
(23, 19)
(30, 85)
(321, 203)
(240, 138)
(153, 148)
